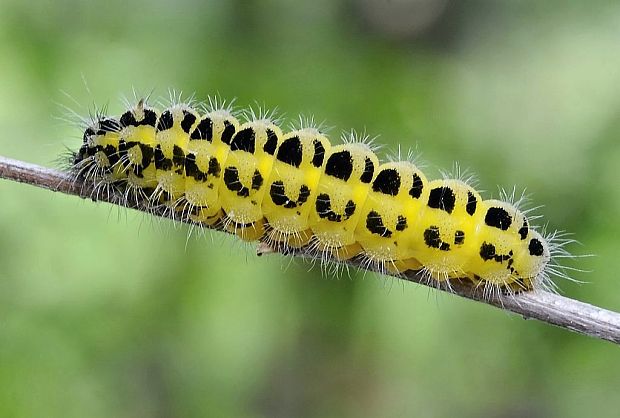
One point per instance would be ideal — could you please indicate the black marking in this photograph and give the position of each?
(536, 247)
(233, 183)
(523, 231)
(188, 121)
(459, 238)
(323, 207)
(401, 224)
(442, 198)
(150, 118)
(257, 180)
(304, 194)
(214, 167)
(276, 191)
(432, 238)
(417, 187)
(369, 171)
(472, 203)
(349, 209)
(192, 170)
(204, 130)
(128, 119)
(272, 142)
(488, 252)
(178, 156)
(244, 140)
(340, 165)
(165, 121)
(374, 223)
(161, 162)
(279, 197)
(291, 151)
(319, 153)
(387, 182)
(498, 218)
(229, 131)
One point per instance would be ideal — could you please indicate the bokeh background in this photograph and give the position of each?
(104, 312)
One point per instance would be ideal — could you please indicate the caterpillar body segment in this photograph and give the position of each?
(208, 150)
(295, 189)
(342, 191)
(137, 142)
(390, 216)
(173, 129)
(249, 163)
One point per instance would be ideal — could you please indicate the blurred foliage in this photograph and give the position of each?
(104, 312)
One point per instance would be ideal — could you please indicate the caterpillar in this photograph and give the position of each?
(296, 189)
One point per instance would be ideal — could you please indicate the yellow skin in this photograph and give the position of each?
(266, 185)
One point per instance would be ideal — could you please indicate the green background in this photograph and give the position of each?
(106, 312)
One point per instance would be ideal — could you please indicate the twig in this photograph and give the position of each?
(547, 307)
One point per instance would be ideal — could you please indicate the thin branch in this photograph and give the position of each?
(547, 307)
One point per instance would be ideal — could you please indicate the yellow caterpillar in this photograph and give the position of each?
(295, 189)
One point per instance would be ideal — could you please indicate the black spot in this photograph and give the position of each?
(204, 130)
(229, 131)
(304, 194)
(487, 251)
(459, 237)
(161, 162)
(401, 224)
(150, 118)
(323, 207)
(432, 238)
(214, 167)
(417, 187)
(319, 153)
(233, 183)
(442, 198)
(498, 218)
(374, 223)
(188, 121)
(290, 151)
(276, 191)
(165, 121)
(244, 140)
(147, 154)
(192, 170)
(178, 156)
(387, 182)
(524, 229)
(536, 248)
(272, 142)
(369, 171)
(349, 209)
(339, 165)
(257, 180)
(472, 202)
(128, 119)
